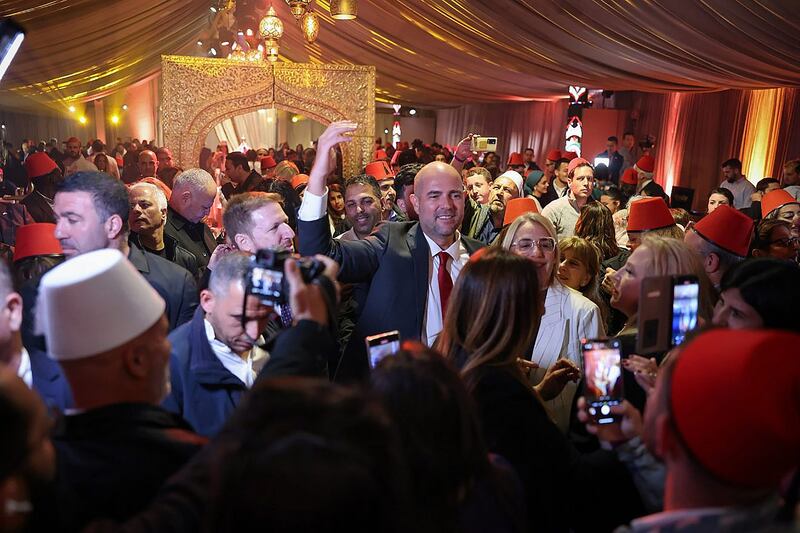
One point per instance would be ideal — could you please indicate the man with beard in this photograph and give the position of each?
(737, 183)
(506, 187)
(73, 159)
(45, 176)
(564, 212)
(432, 250)
(362, 206)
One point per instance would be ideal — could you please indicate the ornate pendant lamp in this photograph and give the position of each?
(310, 25)
(344, 9)
(298, 7)
(271, 30)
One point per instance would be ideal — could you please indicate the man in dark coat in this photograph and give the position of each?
(193, 194)
(432, 250)
(92, 211)
(237, 168)
(117, 449)
(45, 176)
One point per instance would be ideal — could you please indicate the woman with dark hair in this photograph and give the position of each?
(492, 320)
(773, 238)
(457, 484)
(759, 293)
(596, 226)
(717, 197)
(336, 209)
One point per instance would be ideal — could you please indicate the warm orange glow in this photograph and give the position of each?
(761, 129)
(82, 120)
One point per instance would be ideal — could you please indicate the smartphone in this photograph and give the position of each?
(382, 345)
(483, 144)
(602, 378)
(601, 161)
(668, 307)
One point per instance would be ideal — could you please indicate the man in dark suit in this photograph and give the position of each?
(44, 175)
(193, 194)
(38, 371)
(92, 212)
(432, 251)
(237, 168)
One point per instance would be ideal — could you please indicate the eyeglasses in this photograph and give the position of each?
(786, 242)
(545, 244)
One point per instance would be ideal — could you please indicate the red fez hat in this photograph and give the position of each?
(748, 440)
(298, 180)
(39, 164)
(575, 163)
(727, 228)
(569, 155)
(380, 170)
(158, 183)
(478, 254)
(649, 214)
(36, 239)
(629, 176)
(773, 200)
(515, 160)
(646, 163)
(381, 154)
(268, 162)
(554, 155)
(517, 207)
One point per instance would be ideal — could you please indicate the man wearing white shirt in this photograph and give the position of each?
(410, 276)
(39, 372)
(737, 183)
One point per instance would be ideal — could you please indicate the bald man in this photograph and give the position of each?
(148, 164)
(410, 266)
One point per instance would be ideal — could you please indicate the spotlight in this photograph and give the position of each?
(412, 112)
(124, 107)
(213, 9)
(240, 33)
(114, 119)
(269, 120)
(199, 43)
(11, 37)
(82, 120)
(72, 109)
(225, 43)
(386, 131)
(294, 118)
(213, 51)
(249, 32)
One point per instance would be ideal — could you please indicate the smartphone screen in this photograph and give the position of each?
(602, 378)
(382, 345)
(685, 303)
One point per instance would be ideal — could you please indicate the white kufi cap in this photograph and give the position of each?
(93, 303)
(516, 177)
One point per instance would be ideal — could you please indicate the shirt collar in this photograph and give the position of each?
(25, 371)
(219, 347)
(453, 249)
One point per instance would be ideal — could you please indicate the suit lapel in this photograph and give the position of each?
(208, 238)
(420, 254)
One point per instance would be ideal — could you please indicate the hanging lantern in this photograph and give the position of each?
(344, 9)
(270, 26)
(223, 6)
(271, 50)
(310, 25)
(298, 7)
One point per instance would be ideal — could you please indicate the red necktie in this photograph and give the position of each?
(445, 281)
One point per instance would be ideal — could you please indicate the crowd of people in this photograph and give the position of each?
(159, 371)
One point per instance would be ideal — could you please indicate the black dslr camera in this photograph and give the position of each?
(265, 278)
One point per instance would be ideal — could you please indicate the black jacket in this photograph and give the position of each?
(395, 261)
(173, 252)
(254, 182)
(112, 460)
(196, 238)
(38, 208)
(173, 283)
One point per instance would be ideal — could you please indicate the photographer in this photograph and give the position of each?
(211, 364)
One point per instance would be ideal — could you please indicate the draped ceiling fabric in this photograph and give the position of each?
(435, 52)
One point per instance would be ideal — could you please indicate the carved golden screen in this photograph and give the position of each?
(198, 93)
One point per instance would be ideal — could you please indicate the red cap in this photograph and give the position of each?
(517, 207)
(36, 239)
(380, 154)
(771, 201)
(649, 214)
(515, 160)
(569, 155)
(380, 170)
(748, 440)
(630, 176)
(575, 163)
(39, 164)
(298, 180)
(727, 228)
(554, 155)
(646, 163)
(158, 183)
(478, 254)
(268, 162)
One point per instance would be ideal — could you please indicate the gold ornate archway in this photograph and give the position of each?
(198, 93)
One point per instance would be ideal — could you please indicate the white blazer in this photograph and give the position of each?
(568, 317)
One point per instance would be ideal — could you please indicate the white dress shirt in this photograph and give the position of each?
(433, 309)
(240, 367)
(25, 371)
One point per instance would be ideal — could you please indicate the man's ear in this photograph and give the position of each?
(207, 301)
(712, 263)
(414, 201)
(12, 311)
(136, 360)
(244, 242)
(113, 226)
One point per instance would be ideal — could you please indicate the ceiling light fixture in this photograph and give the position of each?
(298, 7)
(344, 9)
(271, 30)
(310, 25)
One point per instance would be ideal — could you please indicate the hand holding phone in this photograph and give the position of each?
(602, 378)
(382, 345)
(629, 425)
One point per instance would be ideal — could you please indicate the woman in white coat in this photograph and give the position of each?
(568, 315)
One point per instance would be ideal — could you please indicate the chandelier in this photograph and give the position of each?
(310, 26)
(298, 8)
(271, 30)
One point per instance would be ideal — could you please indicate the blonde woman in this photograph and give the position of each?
(579, 269)
(568, 316)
